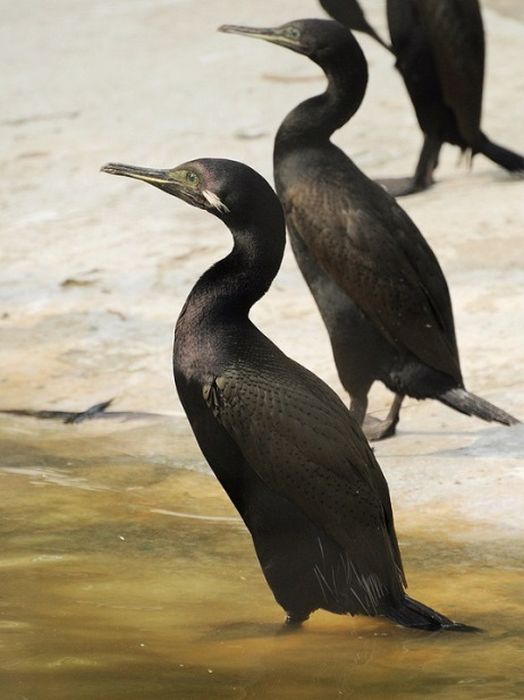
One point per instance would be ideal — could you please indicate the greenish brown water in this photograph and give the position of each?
(123, 576)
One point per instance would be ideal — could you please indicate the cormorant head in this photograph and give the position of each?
(230, 190)
(319, 39)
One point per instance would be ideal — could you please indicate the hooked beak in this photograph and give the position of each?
(154, 177)
(170, 181)
(274, 35)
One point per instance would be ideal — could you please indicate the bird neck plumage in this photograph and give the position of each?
(317, 118)
(228, 289)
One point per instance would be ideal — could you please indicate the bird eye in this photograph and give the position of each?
(191, 177)
(293, 33)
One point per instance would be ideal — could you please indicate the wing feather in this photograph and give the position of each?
(383, 263)
(303, 443)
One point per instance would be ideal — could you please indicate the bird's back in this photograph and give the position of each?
(360, 236)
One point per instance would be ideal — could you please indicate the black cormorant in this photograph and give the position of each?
(376, 281)
(439, 50)
(284, 447)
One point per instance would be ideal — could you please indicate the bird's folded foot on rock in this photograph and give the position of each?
(375, 429)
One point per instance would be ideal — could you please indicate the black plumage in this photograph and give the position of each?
(350, 14)
(376, 281)
(439, 50)
(284, 447)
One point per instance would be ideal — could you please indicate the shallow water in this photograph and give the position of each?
(124, 576)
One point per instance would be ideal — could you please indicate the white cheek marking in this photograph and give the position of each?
(215, 201)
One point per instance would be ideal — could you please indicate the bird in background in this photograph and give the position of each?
(439, 50)
(287, 451)
(377, 283)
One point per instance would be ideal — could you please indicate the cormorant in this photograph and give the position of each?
(283, 445)
(439, 50)
(376, 281)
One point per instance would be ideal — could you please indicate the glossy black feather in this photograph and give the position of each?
(382, 261)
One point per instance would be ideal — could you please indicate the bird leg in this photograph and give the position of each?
(358, 407)
(427, 162)
(293, 621)
(423, 178)
(375, 429)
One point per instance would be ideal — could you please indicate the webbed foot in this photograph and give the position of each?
(423, 178)
(375, 429)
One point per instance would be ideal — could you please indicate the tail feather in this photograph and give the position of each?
(472, 405)
(419, 616)
(507, 159)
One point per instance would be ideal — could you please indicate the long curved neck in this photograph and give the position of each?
(226, 292)
(315, 120)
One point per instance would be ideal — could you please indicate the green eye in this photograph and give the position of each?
(191, 177)
(293, 33)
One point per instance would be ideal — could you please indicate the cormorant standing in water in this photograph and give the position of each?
(282, 444)
(377, 283)
(439, 50)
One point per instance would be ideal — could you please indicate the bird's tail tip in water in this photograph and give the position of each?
(472, 405)
(419, 616)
